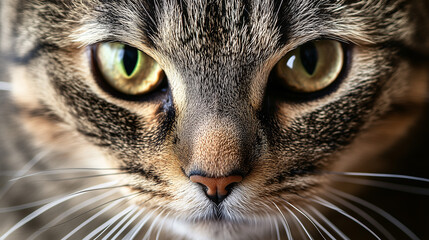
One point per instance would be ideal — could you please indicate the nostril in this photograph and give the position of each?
(217, 189)
(204, 187)
(224, 185)
(209, 184)
(230, 186)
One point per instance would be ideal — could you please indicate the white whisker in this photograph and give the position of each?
(318, 224)
(154, 222)
(271, 224)
(79, 178)
(381, 175)
(285, 223)
(48, 200)
(91, 219)
(62, 171)
(306, 217)
(128, 223)
(135, 230)
(277, 230)
(378, 210)
(29, 205)
(23, 171)
(329, 223)
(70, 211)
(268, 217)
(361, 213)
(300, 223)
(51, 205)
(103, 227)
(160, 227)
(5, 86)
(117, 226)
(385, 185)
(10, 173)
(339, 210)
(296, 226)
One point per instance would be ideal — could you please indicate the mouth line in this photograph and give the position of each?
(219, 220)
(215, 216)
(220, 216)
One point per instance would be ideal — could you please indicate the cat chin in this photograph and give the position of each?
(219, 230)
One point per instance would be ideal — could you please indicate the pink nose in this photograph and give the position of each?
(216, 187)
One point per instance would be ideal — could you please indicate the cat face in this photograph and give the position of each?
(220, 108)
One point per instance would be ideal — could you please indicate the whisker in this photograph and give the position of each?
(361, 213)
(329, 223)
(123, 220)
(104, 204)
(41, 202)
(385, 185)
(91, 219)
(271, 224)
(378, 210)
(63, 171)
(268, 217)
(48, 200)
(10, 173)
(299, 222)
(102, 228)
(381, 175)
(285, 223)
(70, 211)
(149, 231)
(23, 171)
(339, 210)
(83, 177)
(48, 206)
(128, 223)
(277, 229)
(5, 86)
(162, 225)
(305, 217)
(28, 205)
(136, 229)
(302, 234)
(318, 224)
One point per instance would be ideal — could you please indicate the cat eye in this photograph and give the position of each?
(311, 67)
(127, 69)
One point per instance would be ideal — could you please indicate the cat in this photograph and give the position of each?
(238, 119)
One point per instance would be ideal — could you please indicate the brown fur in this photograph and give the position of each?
(221, 113)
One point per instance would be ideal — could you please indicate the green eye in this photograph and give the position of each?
(127, 69)
(312, 66)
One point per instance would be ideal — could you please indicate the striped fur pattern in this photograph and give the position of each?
(220, 114)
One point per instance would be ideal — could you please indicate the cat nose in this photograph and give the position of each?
(217, 189)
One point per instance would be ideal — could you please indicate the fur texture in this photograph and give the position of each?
(221, 113)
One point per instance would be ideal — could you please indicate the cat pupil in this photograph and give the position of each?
(309, 57)
(130, 59)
